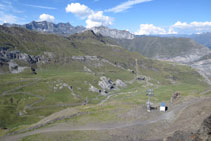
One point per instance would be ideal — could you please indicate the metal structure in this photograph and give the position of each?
(149, 94)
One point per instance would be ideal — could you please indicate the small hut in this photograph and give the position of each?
(163, 107)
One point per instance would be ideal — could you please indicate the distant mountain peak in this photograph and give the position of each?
(114, 33)
(67, 29)
(49, 27)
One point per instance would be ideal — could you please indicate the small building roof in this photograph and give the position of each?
(163, 104)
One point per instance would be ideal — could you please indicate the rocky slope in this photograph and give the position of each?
(113, 33)
(202, 134)
(180, 50)
(48, 27)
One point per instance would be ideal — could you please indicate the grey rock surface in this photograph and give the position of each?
(114, 33)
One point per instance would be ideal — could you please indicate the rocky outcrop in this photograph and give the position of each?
(113, 33)
(204, 133)
(120, 83)
(10, 57)
(93, 88)
(174, 97)
(86, 69)
(106, 85)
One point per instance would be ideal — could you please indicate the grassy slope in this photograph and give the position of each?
(187, 81)
(158, 46)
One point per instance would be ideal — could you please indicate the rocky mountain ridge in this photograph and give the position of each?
(67, 29)
(49, 27)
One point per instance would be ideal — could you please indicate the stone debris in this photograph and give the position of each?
(59, 84)
(120, 83)
(93, 89)
(174, 97)
(86, 69)
(14, 68)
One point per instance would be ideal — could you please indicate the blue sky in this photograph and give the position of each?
(137, 16)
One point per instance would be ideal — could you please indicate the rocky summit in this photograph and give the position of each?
(114, 33)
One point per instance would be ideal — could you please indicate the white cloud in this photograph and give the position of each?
(147, 29)
(39, 6)
(192, 24)
(8, 18)
(126, 5)
(8, 13)
(93, 18)
(193, 27)
(46, 17)
(79, 10)
(98, 19)
(177, 28)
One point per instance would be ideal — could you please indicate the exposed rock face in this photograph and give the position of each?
(9, 58)
(203, 65)
(199, 59)
(14, 68)
(93, 88)
(105, 83)
(6, 55)
(87, 69)
(48, 27)
(120, 83)
(114, 33)
(204, 133)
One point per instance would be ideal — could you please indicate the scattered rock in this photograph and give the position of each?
(175, 96)
(93, 89)
(180, 136)
(20, 113)
(120, 83)
(14, 68)
(141, 78)
(59, 84)
(87, 69)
